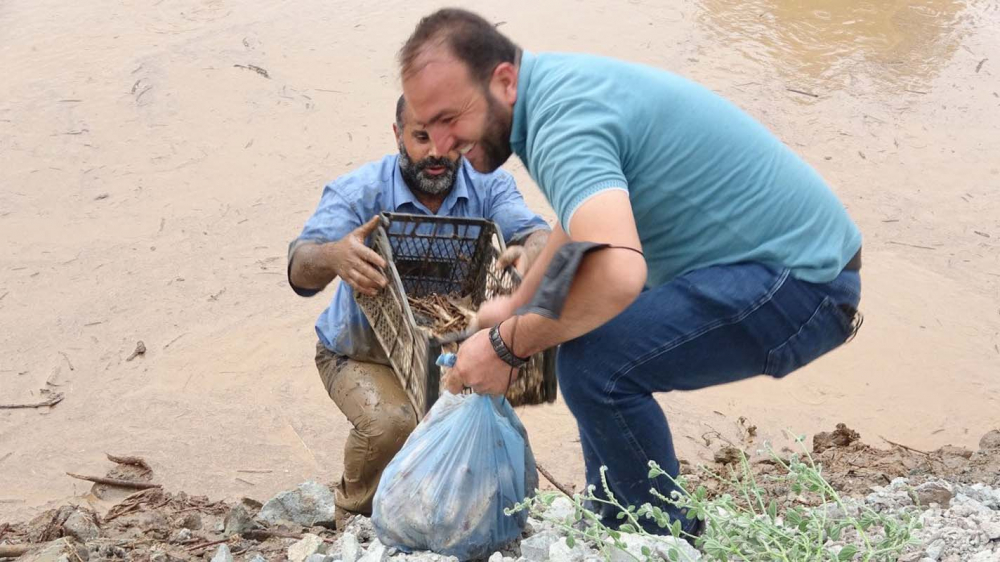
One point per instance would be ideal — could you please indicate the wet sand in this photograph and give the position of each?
(150, 180)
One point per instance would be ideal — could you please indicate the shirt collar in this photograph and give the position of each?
(519, 128)
(402, 195)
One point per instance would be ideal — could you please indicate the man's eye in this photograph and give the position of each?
(422, 137)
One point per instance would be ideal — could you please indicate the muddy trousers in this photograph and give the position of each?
(708, 327)
(382, 418)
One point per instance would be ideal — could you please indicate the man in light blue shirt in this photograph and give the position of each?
(720, 254)
(351, 363)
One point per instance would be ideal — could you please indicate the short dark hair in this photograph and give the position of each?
(470, 38)
(400, 108)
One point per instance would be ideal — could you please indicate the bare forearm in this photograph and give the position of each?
(546, 248)
(607, 282)
(313, 266)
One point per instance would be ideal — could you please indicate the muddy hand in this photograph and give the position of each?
(357, 264)
(513, 256)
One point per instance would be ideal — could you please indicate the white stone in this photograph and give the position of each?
(969, 504)
(257, 558)
(496, 557)
(562, 508)
(660, 545)
(536, 548)
(991, 527)
(933, 550)
(223, 554)
(560, 551)
(308, 545)
(375, 553)
(317, 558)
(350, 550)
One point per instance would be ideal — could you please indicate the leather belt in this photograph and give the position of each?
(855, 263)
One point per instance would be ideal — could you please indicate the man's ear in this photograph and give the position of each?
(396, 132)
(503, 83)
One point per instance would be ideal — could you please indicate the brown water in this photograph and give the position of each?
(827, 44)
(149, 187)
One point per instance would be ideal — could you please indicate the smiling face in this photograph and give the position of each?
(458, 112)
(422, 167)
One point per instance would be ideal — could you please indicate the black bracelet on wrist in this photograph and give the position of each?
(504, 352)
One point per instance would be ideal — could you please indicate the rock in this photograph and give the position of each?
(190, 521)
(223, 554)
(842, 436)
(62, 550)
(252, 506)
(154, 525)
(362, 528)
(180, 536)
(933, 550)
(561, 509)
(309, 504)
(82, 526)
(350, 550)
(953, 451)
(496, 557)
(660, 546)
(991, 527)
(375, 553)
(257, 557)
(308, 545)
(161, 556)
(237, 521)
(536, 548)
(990, 441)
(728, 455)
(424, 556)
(560, 551)
(932, 492)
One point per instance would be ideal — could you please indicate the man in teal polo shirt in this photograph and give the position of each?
(730, 257)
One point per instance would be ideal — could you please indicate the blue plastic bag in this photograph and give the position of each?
(447, 488)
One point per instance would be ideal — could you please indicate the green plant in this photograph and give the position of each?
(747, 524)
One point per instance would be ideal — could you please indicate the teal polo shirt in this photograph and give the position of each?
(708, 184)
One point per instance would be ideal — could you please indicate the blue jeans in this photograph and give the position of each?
(711, 326)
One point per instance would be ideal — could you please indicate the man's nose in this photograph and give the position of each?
(442, 141)
(433, 152)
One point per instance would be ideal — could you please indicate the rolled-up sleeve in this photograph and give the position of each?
(339, 212)
(508, 209)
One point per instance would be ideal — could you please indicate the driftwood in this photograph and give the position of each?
(52, 401)
(445, 313)
(548, 476)
(134, 461)
(15, 550)
(114, 482)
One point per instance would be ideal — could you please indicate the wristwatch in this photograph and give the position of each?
(504, 352)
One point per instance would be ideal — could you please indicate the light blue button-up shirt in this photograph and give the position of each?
(354, 198)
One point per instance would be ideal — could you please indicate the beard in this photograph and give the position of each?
(495, 143)
(416, 177)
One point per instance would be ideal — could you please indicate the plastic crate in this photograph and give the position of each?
(443, 255)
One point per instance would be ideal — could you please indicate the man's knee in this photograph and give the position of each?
(390, 425)
(580, 377)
